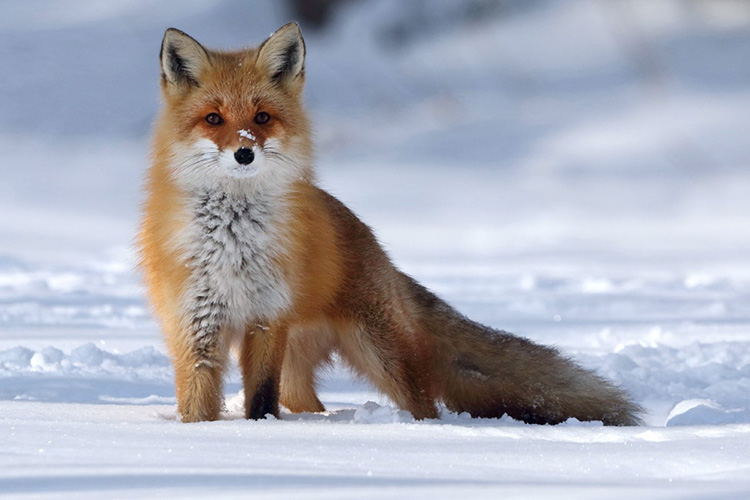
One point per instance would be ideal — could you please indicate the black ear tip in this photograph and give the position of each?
(292, 25)
(174, 31)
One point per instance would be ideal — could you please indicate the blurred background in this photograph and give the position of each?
(530, 160)
(458, 127)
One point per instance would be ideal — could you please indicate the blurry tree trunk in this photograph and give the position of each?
(634, 43)
(314, 13)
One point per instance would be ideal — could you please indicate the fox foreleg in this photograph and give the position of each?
(261, 357)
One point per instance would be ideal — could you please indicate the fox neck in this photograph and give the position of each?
(233, 240)
(234, 246)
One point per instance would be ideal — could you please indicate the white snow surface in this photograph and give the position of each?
(530, 168)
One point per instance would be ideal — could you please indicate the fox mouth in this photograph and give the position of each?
(240, 171)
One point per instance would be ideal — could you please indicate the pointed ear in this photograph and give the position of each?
(283, 54)
(182, 59)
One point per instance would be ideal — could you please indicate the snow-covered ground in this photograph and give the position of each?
(532, 169)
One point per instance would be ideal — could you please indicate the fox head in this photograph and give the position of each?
(234, 119)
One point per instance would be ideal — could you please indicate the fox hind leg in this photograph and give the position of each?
(306, 350)
(382, 354)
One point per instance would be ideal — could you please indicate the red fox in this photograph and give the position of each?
(240, 248)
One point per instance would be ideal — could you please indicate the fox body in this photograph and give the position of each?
(240, 248)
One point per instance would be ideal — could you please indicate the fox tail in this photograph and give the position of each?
(488, 373)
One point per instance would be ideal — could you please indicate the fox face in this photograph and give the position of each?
(235, 120)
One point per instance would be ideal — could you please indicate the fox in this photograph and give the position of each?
(242, 252)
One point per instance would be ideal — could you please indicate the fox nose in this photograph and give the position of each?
(244, 156)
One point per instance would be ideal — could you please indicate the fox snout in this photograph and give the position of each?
(244, 156)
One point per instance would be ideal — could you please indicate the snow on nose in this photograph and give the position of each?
(246, 134)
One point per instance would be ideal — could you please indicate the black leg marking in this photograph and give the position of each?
(265, 400)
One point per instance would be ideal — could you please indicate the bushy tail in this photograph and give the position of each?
(488, 373)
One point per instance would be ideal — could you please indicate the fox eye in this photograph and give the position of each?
(214, 119)
(262, 118)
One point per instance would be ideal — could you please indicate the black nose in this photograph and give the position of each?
(244, 156)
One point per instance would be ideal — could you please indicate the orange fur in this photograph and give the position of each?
(344, 295)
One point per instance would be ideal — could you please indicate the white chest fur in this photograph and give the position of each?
(233, 244)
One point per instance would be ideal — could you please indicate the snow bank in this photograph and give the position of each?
(86, 360)
(85, 374)
(701, 383)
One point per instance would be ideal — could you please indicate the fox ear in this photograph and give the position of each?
(182, 59)
(283, 54)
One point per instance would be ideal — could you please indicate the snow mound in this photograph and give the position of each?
(86, 374)
(373, 413)
(705, 411)
(87, 360)
(705, 383)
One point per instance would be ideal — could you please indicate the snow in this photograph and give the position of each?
(246, 134)
(157, 457)
(529, 168)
